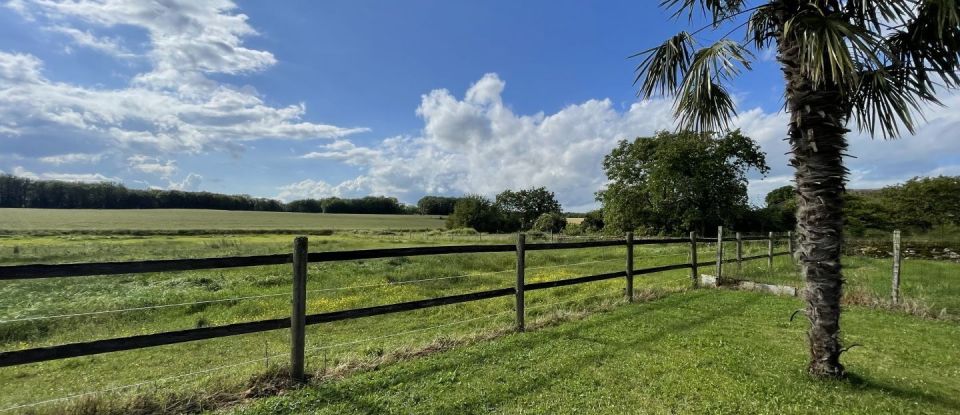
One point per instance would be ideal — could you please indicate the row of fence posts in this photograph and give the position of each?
(739, 252)
(299, 297)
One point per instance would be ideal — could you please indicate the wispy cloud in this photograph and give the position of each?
(174, 106)
(72, 158)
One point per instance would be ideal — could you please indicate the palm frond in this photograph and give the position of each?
(876, 15)
(704, 107)
(716, 9)
(944, 13)
(930, 44)
(724, 58)
(762, 27)
(886, 99)
(832, 49)
(703, 103)
(664, 66)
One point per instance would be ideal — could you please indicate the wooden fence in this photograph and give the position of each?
(299, 318)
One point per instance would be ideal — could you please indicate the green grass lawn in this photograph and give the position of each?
(703, 351)
(173, 220)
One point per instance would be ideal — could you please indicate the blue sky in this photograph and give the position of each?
(349, 98)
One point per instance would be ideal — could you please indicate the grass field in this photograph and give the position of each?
(183, 220)
(331, 287)
(54, 311)
(718, 352)
(929, 287)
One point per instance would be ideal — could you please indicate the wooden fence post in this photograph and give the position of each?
(770, 250)
(298, 315)
(693, 260)
(630, 266)
(895, 294)
(790, 243)
(521, 265)
(719, 254)
(739, 254)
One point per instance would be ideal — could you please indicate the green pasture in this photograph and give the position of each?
(62, 310)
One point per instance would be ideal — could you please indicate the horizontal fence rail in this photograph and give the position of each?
(36, 271)
(42, 354)
(18, 272)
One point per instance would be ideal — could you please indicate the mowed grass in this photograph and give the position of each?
(702, 351)
(173, 220)
(35, 313)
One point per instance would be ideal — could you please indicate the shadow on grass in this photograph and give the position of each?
(861, 383)
(363, 397)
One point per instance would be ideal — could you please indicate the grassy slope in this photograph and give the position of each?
(33, 220)
(696, 352)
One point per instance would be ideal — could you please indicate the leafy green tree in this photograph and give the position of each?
(481, 214)
(674, 182)
(862, 212)
(528, 204)
(592, 221)
(781, 208)
(873, 62)
(781, 195)
(550, 222)
(921, 203)
(436, 205)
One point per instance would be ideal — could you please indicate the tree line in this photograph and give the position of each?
(919, 204)
(21, 192)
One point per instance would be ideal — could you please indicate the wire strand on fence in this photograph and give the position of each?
(354, 287)
(252, 297)
(135, 385)
(122, 310)
(420, 330)
(402, 333)
(573, 264)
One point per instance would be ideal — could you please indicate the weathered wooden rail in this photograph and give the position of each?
(299, 319)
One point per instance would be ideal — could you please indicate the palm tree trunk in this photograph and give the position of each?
(816, 136)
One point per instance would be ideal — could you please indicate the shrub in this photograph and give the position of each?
(462, 232)
(592, 222)
(532, 235)
(481, 214)
(550, 222)
(573, 229)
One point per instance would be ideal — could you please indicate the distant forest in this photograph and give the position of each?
(20, 192)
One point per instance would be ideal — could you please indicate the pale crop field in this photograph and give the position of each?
(186, 220)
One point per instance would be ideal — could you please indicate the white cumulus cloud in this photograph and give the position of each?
(152, 165)
(189, 183)
(477, 144)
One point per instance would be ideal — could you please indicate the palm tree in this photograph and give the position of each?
(875, 62)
